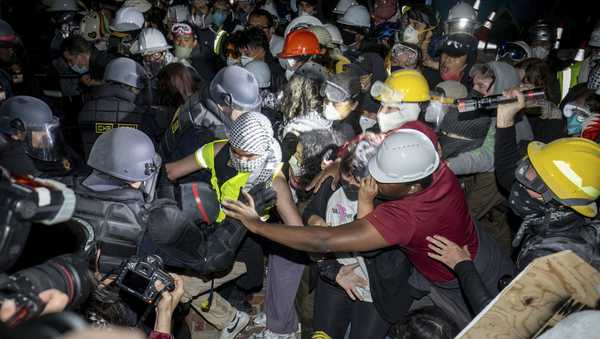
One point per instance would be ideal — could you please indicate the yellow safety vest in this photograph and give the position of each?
(568, 78)
(230, 188)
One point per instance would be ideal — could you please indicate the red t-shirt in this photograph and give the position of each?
(439, 209)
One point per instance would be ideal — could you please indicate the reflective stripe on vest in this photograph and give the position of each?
(231, 188)
(568, 78)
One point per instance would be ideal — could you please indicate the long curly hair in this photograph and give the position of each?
(300, 96)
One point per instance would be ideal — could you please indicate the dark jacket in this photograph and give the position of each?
(111, 106)
(389, 269)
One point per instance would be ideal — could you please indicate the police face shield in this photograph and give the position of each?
(43, 141)
(462, 25)
(153, 169)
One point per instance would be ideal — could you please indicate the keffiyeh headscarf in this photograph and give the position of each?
(252, 133)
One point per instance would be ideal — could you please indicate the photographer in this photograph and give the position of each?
(165, 308)
(51, 286)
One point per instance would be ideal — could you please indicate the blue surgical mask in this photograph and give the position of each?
(218, 17)
(79, 69)
(574, 124)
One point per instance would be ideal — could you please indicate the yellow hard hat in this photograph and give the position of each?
(405, 85)
(570, 167)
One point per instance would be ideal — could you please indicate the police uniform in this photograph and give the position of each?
(111, 106)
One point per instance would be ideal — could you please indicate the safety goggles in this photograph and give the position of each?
(528, 177)
(384, 93)
(511, 51)
(181, 29)
(399, 49)
(334, 92)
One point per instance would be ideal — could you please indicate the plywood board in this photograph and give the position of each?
(533, 296)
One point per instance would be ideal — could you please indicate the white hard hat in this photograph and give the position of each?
(261, 72)
(270, 7)
(343, 5)
(142, 6)
(61, 6)
(595, 38)
(89, 28)
(322, 35)
(302, 22)
(127, 19)
(404, 156)
(357, 16)
(151, 40)
(336, 36)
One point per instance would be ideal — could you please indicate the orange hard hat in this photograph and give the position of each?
(299, 43)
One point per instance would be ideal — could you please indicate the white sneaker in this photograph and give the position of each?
(260, 320)
(267, 334)
(239, 322)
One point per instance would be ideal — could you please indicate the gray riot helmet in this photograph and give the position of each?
(126, 154)
(126, 71)
(462, 18)
(235, 87)
(261, 72)
(32, 117)
(541, 31)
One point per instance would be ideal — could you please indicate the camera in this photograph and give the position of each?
(139, 275)
(66, 273)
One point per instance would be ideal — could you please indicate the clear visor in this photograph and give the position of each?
(150, 184)
(462, 25)
(334, 93)
(43, 142)
(382, 92)
(437, 110)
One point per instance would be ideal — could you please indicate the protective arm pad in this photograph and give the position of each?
(219, 249)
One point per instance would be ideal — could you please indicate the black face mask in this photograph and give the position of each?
(350, 191)
(522, 204)
(349, 38)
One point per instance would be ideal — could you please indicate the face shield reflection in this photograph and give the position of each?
(43, 141)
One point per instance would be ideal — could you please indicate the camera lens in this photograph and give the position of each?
(66, 273)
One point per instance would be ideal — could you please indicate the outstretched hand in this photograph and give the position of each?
(244, 212)
(447, 251)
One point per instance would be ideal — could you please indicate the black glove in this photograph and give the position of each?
(264, 198)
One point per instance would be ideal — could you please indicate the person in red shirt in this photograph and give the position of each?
(421, 197)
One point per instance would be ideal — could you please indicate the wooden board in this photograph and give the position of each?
(532, 297)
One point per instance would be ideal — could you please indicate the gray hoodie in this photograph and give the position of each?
(481, 160)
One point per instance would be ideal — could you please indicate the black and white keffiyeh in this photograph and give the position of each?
(252, 133)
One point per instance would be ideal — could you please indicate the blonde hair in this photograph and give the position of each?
(300, 96)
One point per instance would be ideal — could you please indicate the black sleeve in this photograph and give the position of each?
(506, 156)
(318, 205)
(329, 269)
(472, 286)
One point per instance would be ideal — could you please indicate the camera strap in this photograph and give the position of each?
(206, 304)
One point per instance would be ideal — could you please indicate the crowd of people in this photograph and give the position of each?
(379, 169)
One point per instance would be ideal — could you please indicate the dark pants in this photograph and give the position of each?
(334, 311)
